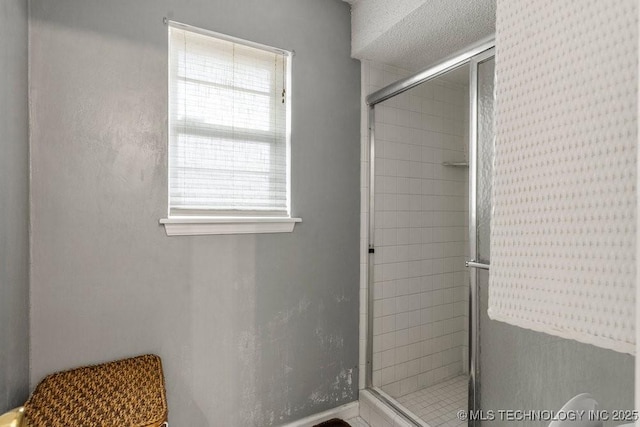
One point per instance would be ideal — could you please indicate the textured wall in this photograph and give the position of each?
(253, 330)
(14, 208)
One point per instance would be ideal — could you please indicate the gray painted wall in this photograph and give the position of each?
(253, 330)
(14, 208)
(526, 370)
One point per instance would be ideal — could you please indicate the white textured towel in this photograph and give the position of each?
(563, 235)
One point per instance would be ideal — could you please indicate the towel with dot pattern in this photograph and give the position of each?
(563, 239)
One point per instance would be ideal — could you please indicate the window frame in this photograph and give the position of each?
(204, 221)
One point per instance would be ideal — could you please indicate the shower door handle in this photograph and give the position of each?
(475, 264)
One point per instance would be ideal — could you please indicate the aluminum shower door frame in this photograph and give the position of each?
(473, 55)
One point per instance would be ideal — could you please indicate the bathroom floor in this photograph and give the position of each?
(357, 422)
(438, 405)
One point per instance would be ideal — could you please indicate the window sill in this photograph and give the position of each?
(185, 226)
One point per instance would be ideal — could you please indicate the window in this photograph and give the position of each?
(229, 109)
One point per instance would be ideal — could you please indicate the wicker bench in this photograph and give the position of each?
(125, 393)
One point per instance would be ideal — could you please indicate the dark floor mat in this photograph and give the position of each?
(333, 423)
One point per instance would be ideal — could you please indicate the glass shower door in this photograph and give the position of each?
(422, 147)
(480, 175)
(419, 352)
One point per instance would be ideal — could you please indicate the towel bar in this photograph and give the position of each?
(475, 264)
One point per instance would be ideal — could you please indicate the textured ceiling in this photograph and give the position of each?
(413, 34)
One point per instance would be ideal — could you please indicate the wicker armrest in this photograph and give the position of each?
(128, 393)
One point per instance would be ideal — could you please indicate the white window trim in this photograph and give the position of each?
(190, 226)
(212, 225)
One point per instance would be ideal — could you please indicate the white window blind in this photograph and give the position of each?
(228, 143)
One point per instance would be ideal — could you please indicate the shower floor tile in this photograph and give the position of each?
(438, 405)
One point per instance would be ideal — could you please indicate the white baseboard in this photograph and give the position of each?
(344, 412)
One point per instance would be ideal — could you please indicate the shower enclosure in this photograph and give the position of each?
(430, 155)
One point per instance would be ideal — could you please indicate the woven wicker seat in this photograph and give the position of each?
(126, 393)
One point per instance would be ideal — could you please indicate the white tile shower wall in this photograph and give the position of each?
(420, 288)
(370, 82)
